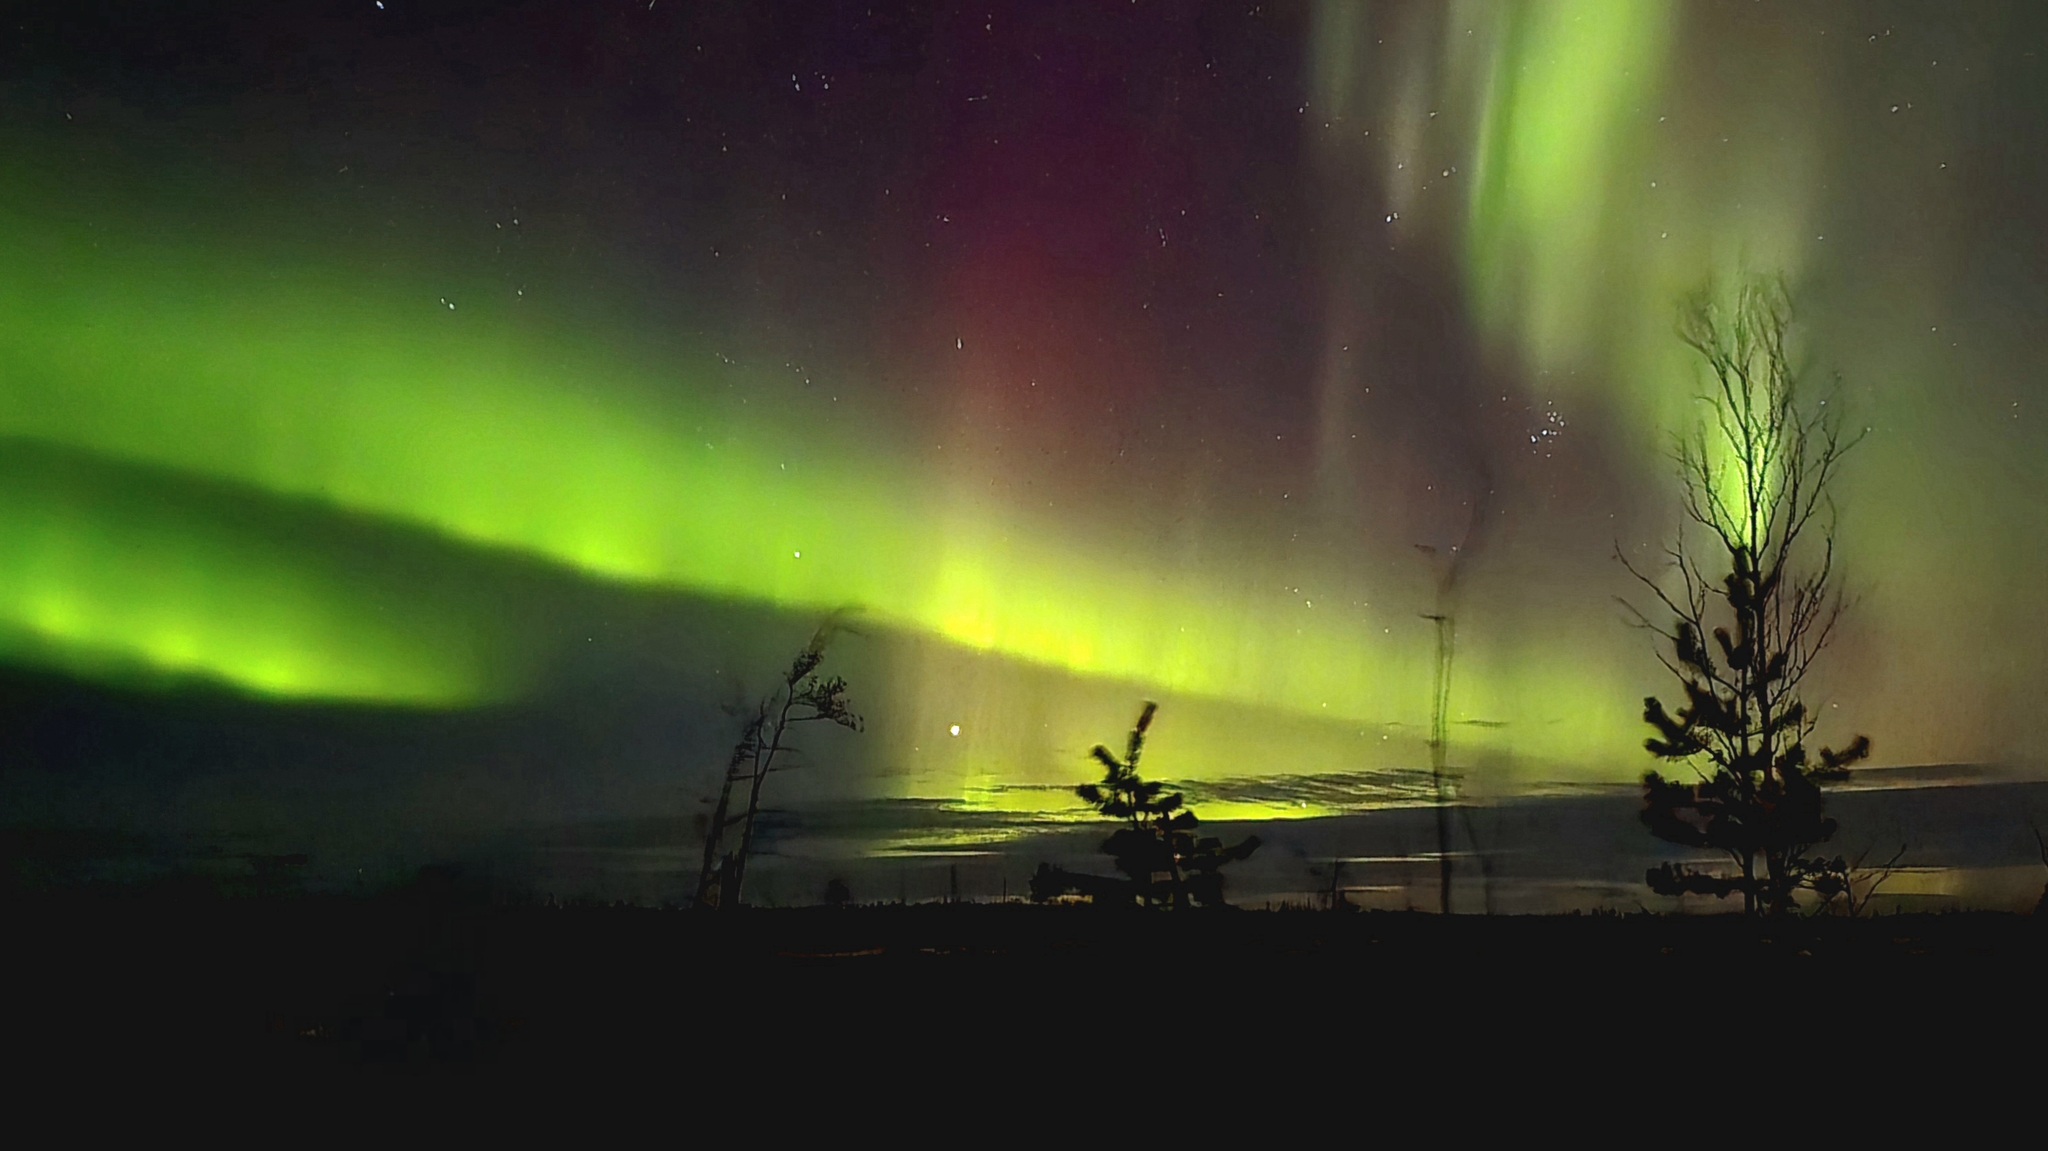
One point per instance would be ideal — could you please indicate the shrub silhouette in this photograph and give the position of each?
(1161, 858)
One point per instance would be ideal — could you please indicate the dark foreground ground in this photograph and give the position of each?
(430, 982)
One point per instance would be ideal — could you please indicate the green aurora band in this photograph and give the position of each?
(371, 399)
(100, 573)
(353, 391)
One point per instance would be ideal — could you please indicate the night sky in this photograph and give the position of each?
(423, 422)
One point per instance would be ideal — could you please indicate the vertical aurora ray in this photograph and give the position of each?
(1575, 158)
(1562, 116)
(1554, 151)
(1584, 167)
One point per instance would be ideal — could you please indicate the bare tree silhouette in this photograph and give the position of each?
(802, 697)
(1335, 897)
(1860, 884)
(1755, 476)
(1449, 569)
(1439, 743)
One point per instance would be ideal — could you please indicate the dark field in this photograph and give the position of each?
(426, 982)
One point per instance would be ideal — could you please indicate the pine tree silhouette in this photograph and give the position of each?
(1755, 480)
(1156, 849)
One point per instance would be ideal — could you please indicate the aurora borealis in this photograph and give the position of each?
(559, 366)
